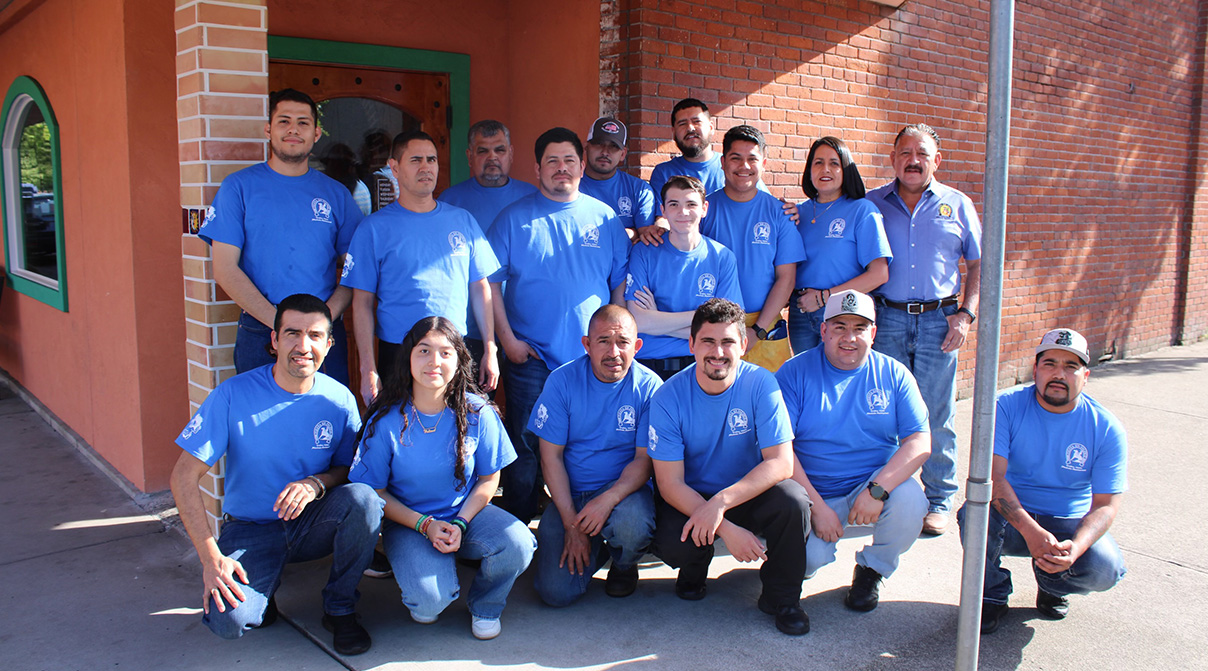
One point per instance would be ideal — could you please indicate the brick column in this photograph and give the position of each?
(221, 106)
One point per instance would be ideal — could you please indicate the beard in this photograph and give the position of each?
(691, 151)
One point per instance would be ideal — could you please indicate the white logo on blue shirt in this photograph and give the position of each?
(324, 432)
(653, 438)
(737, 421)
(1076, 456)
(763, 233)
(625, 206)
(591, 237)
(542, 415)
(457, 242)
(192, 427)
(210, 214)
(347, 266)
(471, 444)
(878, 402)
(628, 282)
(627, 419)
(705, 285)
(836, 228)
(321, 209)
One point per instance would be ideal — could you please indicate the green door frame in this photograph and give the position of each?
(375, 55)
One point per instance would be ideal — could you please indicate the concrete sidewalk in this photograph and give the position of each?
(93, 579)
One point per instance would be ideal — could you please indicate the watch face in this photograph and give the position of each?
(878, 492)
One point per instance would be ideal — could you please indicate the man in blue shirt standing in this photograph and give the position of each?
(721, 442)
(289, 435)
(278, 228)
(593, 420)
(628, 196)
(415, 258)
(860, 430)
(562, 256)
(1059, 479)
(921, 319)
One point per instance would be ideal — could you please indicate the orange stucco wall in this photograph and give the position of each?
(112, 367)
(533, 64)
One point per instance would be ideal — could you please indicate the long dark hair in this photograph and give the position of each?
(396, 387)
(853, 184)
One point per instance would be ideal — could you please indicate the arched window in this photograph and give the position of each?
(32, 195)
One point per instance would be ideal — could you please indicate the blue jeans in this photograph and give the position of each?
(427, 577)
(252, 342)
(625, 536)
(893, 533)
(1097, 570)
(344, 524)
(915, 340)
(521, 480)
(804, 327)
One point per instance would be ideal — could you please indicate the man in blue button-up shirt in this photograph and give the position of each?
(921, 318)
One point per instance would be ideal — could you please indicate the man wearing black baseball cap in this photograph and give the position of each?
(630, 197)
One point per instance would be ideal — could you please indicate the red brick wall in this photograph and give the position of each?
(1102, 184)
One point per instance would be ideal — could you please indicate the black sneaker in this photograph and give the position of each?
(790, 618)
(380, 566)
(690, 587)
(270, 613)
(992, 615)
(1052, 606)
(865, 592)
(621, 582)
(350, 638)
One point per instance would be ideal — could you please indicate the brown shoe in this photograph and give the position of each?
(935, 524)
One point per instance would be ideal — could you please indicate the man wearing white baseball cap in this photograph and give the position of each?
(1059, 480)
(860, 434)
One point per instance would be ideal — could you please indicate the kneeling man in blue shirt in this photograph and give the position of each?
(1059, 479)
(861, 434)
(721, 442)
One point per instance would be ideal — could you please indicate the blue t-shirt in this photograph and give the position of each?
(1057, 461)
(417, 467)
(761, 236)
(849, 235)
(418, 264)
(848, 423)
(600, 424)
(680, 281)
(485, 202)
(291, 231)
(271, 437)
(927, 244)
(708, 172)
(628, 196)
(560, 262)
(719, 438)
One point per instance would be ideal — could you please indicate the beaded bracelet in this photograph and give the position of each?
(424, 527)
(419, 524)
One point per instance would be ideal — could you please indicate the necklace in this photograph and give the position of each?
(439, 417)
(815, 219)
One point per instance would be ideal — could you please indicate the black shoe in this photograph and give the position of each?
(690, 587)
(992, 615)
(621, 582)
(1052, 606)
(379, 567)
(270, 613)
(350, 637)
(790, 618)
(865, 592)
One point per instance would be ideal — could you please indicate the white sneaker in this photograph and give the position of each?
(483, 628)
(423, 620)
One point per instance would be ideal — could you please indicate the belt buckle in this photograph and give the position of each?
(915, 308)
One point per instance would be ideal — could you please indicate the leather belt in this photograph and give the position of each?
(918, 307)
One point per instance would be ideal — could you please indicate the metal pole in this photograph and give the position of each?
(978, 487)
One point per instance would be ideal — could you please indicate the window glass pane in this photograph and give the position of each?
(37, 196)
(355, 144)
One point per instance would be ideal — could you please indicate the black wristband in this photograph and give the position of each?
(972, 317)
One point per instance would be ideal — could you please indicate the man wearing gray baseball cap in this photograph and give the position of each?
(860, 433)
(1059, 480)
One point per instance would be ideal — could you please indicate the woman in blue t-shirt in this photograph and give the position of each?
(437, 478)
(844, 236)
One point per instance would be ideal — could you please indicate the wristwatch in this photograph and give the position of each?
(878, 492)
(760, 334)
